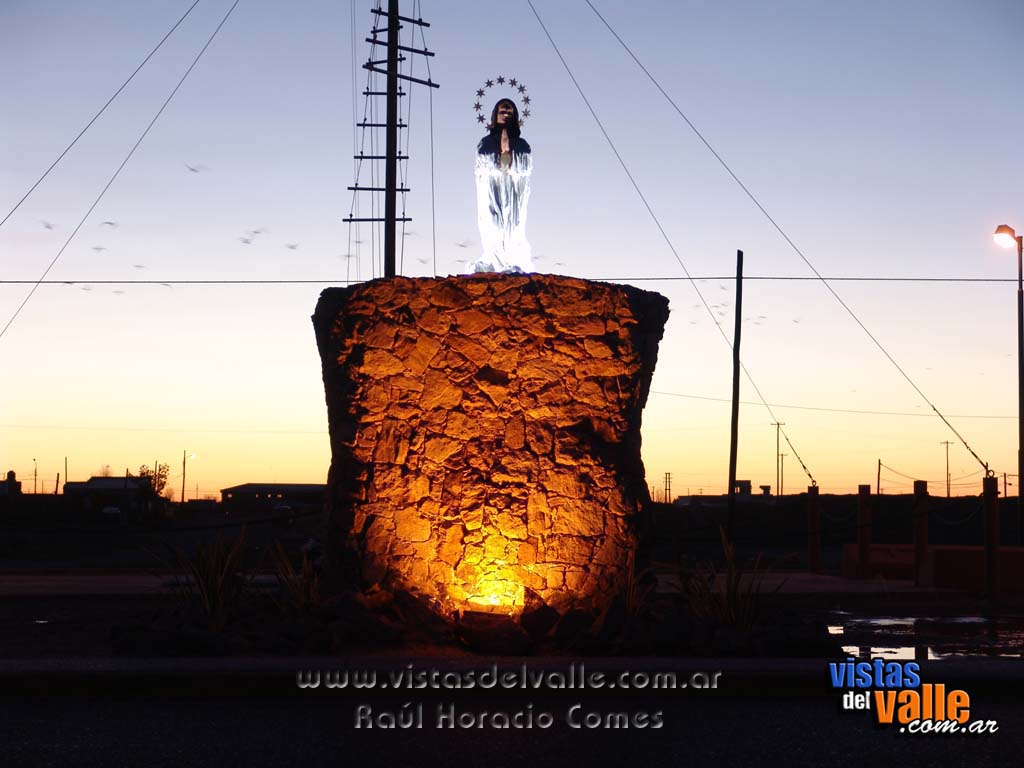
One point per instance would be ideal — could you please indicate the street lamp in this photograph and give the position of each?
(184, 454)
(1007, 238)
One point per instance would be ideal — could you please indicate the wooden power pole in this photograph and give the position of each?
(734, 429)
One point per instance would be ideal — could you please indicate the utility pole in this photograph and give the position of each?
(668, 487)
(735, 425)
(392, 123)
(948, 443)
(183, 477)
(391, 141)
(782, 474)
(35, 473)
(878, 482)
(778, 469)
(1004, 485)
(65, 470)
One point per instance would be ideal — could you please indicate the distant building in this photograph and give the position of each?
(265, 497)
(10, 487)
(113, 499)
(742, 487)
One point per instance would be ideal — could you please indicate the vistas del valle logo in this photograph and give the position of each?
(894, 693)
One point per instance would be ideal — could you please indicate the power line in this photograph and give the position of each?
(779, 229)
(96, 116)
(657, 223)
(830, 410)
(189, 430)
(664, 278)
(118, 171)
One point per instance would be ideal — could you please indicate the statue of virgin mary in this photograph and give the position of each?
(503, 167)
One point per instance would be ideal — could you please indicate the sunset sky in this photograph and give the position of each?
(883, 137)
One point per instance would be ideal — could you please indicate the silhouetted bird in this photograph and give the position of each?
(196, 168)
(255, 232)
(291, 246)
(464, 244)
(111, 224)
(46, 224)
(99, 248)
(245, 240)
(422, 261)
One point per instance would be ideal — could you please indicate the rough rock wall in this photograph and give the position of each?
(485, 436)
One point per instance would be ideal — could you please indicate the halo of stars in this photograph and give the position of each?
(520, 93)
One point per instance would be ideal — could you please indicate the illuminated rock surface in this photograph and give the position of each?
(485, 436)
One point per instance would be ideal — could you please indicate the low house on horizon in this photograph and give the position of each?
(266, 497)
(114, 499)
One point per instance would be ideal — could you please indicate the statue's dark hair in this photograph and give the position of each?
(512, 123)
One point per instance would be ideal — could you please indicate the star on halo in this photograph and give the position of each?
(514, 83)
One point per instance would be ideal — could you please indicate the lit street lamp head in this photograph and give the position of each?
(1005, 236)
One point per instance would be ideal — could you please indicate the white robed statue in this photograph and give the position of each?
(503, 166)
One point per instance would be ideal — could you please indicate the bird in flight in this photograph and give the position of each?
(464, 244)
(255, 232)
(423, 260)
(46, 224)
(86, 288)
(245, 240)
(111, 224)
(291, 246)
(196, 168)
(99, 248)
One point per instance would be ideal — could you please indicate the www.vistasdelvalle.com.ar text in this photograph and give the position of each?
(573, 677)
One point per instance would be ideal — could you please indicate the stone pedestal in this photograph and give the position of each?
(485, 436)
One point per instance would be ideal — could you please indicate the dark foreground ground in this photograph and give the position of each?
(751, 720)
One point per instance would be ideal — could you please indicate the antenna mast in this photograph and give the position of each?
(392, 122)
